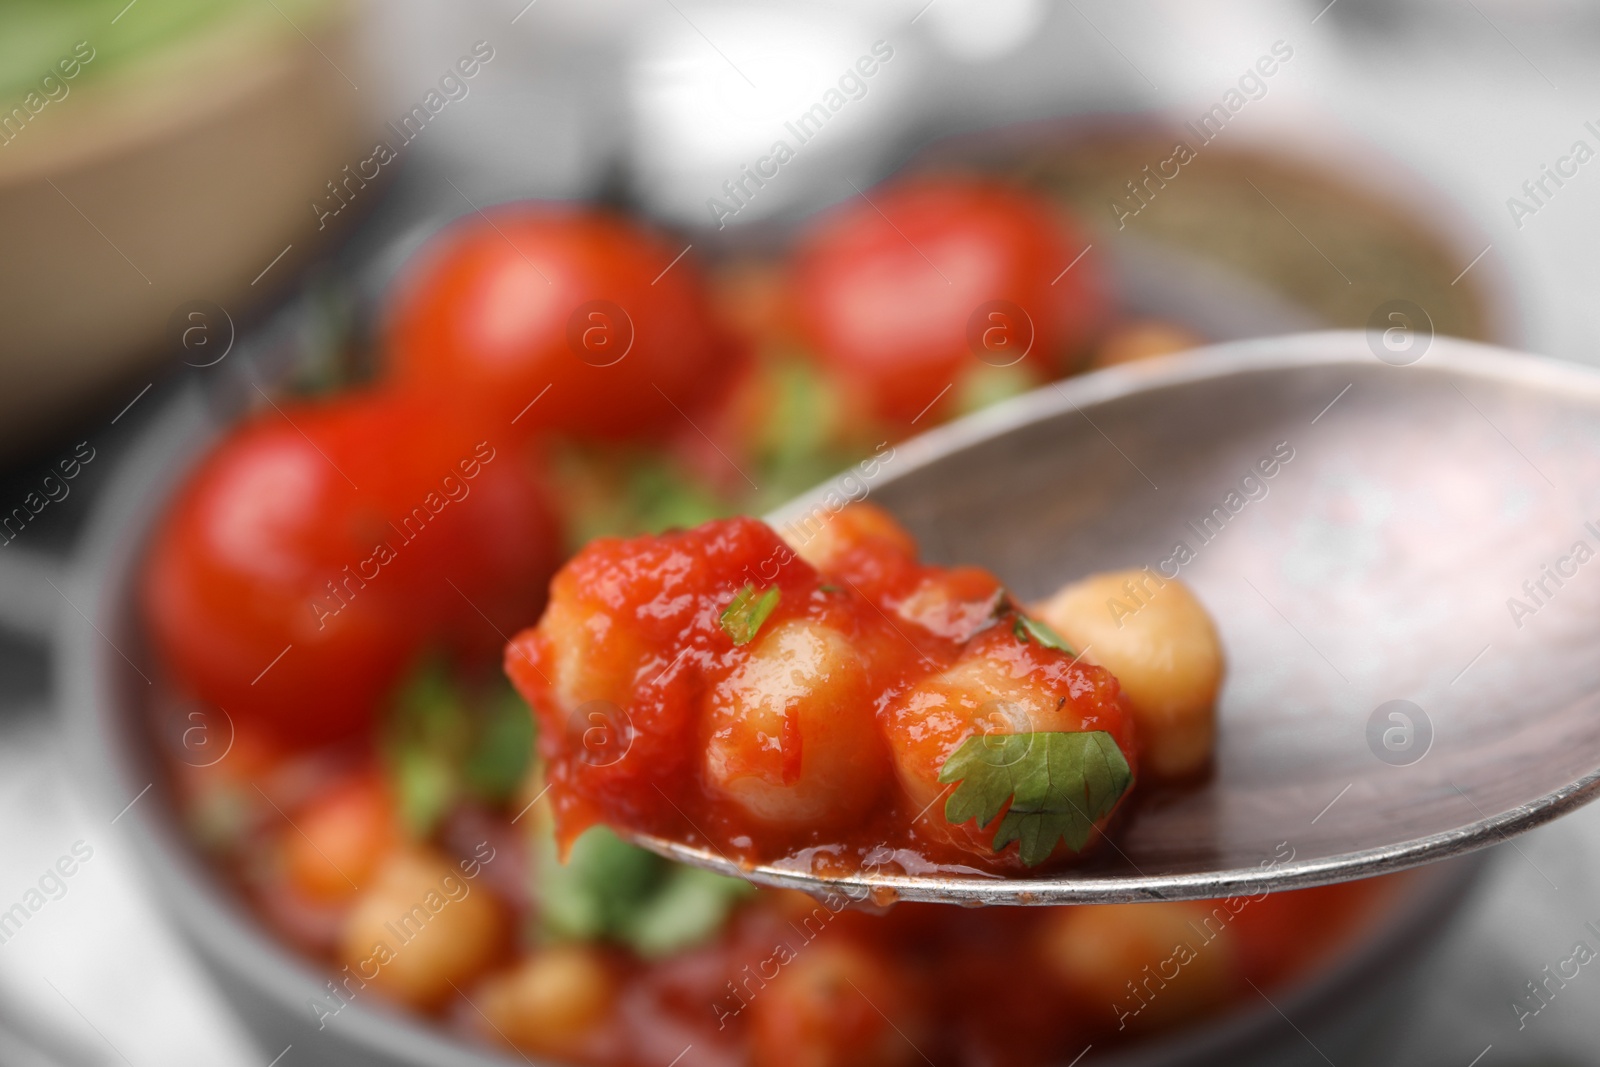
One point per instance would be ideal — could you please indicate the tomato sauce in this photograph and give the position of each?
(634, 668)
(791, 981)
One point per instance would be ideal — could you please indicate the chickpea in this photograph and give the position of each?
(1143, 340)
(1151, 964)
(554, 1003)
(833, 1005)
(791, 734)
(996, 688)
(594, 653)
(419, 927)
(852, 527)
(1157, 639)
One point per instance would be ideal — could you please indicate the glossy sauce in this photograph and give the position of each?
(631, 670)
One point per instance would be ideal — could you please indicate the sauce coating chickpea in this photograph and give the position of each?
(792, 738)
(1157, 639)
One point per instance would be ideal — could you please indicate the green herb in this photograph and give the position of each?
(806, 432)
(1028, 629)
(424, 731)
(742, 618)
(807, 416)
(1058, 786)
(425, 788)
(688, 908)
(603, 882)
(623, 492)
(828, 587)
(498, 760)
(445, 742)
(611, 890)
(660, 495)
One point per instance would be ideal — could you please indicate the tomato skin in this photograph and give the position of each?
(887, 290)
(835, 1005)
(496, 307)
(305, 561)
(339, 838)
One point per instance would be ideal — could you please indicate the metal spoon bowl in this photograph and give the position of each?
(1384, 561)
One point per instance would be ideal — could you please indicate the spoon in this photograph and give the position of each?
(1412, 628)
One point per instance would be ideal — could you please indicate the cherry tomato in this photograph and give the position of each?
(319, 547)
(835, 1005)
(909, 289)
(595, 307)
(339, 838)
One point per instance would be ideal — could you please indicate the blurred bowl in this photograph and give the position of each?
(1342, 1010)
(1316, 214)
(174, 174)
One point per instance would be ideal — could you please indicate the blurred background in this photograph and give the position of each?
(175, 180)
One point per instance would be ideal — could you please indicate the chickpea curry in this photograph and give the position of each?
(860, 704)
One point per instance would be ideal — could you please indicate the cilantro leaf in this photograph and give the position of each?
(447, 739)
(1058, 785)
(623, 492)
(423, 734)
(742, 618)
(425, 789)
(1033, 630)
(610, 890)
(689, 907)
(500, 755)
(603, 882)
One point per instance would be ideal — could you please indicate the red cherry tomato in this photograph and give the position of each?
(595, 307)
(320, 546)
(836, 1005)
(339, 838)
(906, 290)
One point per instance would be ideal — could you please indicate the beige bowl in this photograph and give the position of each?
(176, 177)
